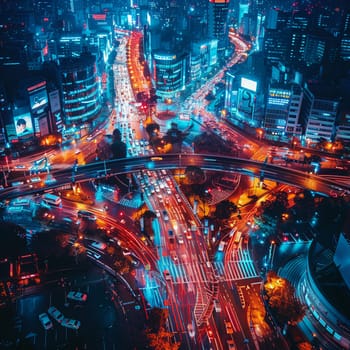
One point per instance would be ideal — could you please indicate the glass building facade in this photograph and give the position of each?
(81, 90)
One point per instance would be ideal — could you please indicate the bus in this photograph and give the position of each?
(49, 198)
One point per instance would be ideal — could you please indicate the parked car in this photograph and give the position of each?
(55, 314)
(70, 323)
(45, 321)
(77, 296)
(99, 245)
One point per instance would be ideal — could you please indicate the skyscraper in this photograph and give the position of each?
(217, 23)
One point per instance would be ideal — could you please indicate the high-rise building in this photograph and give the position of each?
(217, 23)
(315, 48)
(276, 45)
(342, 131)
(319, 112)
(81, 90)
(277, 109)
(170, 72)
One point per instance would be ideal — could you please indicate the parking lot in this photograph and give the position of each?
(103, 322)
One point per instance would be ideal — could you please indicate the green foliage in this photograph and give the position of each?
(157, 318)
(282, 301)
(225, 209)
(157, 335)
(161, 340)
(194, 175)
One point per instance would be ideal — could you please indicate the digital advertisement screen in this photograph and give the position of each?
(23, 124)
(38, 99)
(248, 84)
(55, 101)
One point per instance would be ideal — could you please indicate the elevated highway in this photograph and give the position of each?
(248, 167)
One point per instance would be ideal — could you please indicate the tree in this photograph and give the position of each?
(152, 130)
(148, 217)
(175, 137)
(157, 335)
(194, 175)
(304, 207)
(282, 301)
(225, 209)
(157, 318)
(209, 143)
(122, 265)
(161, 340)
(118, 147)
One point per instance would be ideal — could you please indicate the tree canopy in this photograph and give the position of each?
(157, 335)
(281, 297)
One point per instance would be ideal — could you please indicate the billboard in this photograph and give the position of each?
(43, 126)
(248, 84)
(279, 97)
(55, 101)
(23, 124)
(38, 99)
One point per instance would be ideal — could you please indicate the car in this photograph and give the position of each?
(188, 234)
(99, 245)
(174, 256)
(84, 214)
(77, 296)
(231, 344)
(55, 314)
(167, 275)
(45, 321)
(165, 215)
(70, 323)
(178, 198)
(20, 166)
(126, 251)
(229, 329)
(210, 333)
(217, 306)
(180, 239)
(191, 331)
(93, 254)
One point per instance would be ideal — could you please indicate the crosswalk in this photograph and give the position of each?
(134, 202)
(240, 267)
(184, 272)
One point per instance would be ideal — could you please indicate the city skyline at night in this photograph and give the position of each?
(174, 174)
